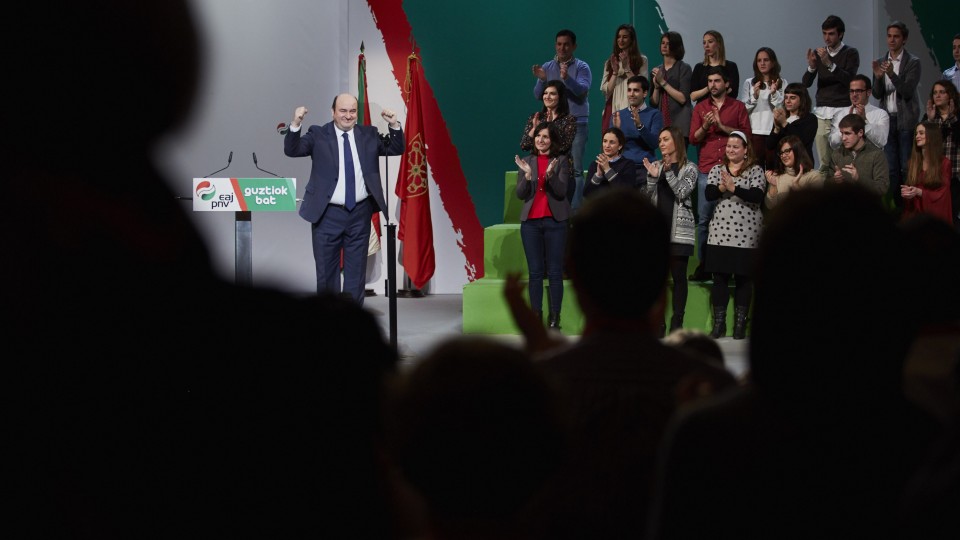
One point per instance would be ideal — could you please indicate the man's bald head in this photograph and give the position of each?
(345, 111)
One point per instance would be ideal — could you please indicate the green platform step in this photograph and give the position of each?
(485, 311)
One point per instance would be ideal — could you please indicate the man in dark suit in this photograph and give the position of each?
(340, 217)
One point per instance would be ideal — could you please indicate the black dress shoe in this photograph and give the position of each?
(700, 274)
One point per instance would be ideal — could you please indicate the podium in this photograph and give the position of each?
(243, 196)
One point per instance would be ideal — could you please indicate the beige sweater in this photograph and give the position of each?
(788, 181)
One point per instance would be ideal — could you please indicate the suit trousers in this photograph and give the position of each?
(348, 230)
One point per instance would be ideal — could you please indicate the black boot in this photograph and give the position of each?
(740, 322)
(676, 321)
(554, 321)
(539, 316)
(719, 322)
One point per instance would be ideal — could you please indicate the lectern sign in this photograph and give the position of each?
(244, 194)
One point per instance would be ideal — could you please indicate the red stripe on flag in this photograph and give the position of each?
(444, 162)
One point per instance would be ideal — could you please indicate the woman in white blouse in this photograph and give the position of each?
(761, 94)
(624, 62)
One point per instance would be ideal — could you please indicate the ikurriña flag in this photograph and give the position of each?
(416, 226)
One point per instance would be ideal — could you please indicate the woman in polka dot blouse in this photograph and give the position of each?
(739, 184)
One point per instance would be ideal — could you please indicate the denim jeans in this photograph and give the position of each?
(544, 241)
(576, 152)
(897, 150)
(704, 213)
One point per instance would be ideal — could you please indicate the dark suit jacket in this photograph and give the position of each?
(905, 83)
(556, 188)
(320, 143)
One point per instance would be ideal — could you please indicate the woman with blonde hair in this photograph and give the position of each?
(624, 62)
(739, 184)
(795, 171)
(928, 175)
(714, 54)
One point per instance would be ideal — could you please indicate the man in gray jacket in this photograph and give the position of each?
(896, 76)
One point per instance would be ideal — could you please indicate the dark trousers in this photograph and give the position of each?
(544, 241)
(339, 229)
(897, 150)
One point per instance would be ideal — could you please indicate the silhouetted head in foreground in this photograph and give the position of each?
(831, 324)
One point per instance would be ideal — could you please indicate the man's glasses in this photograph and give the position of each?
(852, 91)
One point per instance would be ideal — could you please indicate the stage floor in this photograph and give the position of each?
(423, 323)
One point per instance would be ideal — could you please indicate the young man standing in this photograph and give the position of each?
(576, 76)
(712, 121)
(641, 126)
(895, 79)
(833, 66)
(855, 160)
(876, 119)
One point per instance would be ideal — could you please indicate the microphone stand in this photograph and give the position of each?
(229, 160)
(255, 164)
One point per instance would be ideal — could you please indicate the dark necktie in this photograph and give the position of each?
(350, 188)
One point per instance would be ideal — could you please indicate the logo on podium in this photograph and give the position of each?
(244, 194)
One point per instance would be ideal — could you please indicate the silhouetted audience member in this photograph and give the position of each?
(822, 442)
(932, 378)
(479, 430)
(619, 380)
(930, 375)
(148, 398)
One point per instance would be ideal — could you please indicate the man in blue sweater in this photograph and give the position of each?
(641, 126)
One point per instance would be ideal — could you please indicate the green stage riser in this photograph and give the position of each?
(486, 312)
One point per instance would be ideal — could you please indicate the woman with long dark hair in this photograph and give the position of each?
(671, 84)
(928, 175)
(761, 94)
(624, 62)
(542, 181)
(795, 171)
(794, 118)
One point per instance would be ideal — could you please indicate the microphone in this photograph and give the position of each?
(258, 166)
(229, 159)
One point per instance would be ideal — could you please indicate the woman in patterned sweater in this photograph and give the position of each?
(670, 184)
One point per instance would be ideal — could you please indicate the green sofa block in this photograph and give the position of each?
(511, 204)
(503, 251)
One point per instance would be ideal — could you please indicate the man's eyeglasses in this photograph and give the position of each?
(852, 91)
